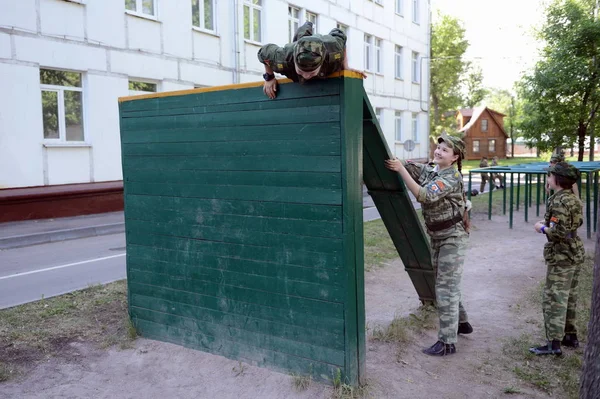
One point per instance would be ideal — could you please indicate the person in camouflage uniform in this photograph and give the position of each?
(484, 176)
(308, 56)
(564, 255)
(440, 191)
(496, 175)
(559, 156)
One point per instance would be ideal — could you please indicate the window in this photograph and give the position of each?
(398, 129)
(141, 7)
(484, 125)
(492, 146)
(368, 45)
(415, 67)
(252, 20)
(312, 17)
(137, 87)
(380, 2)
(415, 15)
(475, 145)
(203, 16)
(379, 115)
(415, 127)
(378, 55)
(62, 105)
(343, 28)
(293, 22)
(399, 7)
(398, 62)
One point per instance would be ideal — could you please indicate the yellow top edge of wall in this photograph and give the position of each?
(346, 74)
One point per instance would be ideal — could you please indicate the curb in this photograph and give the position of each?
(60, 235)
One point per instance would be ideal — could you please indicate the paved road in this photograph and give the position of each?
(41, 271)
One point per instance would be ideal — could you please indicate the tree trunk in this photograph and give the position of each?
(581, 133)
(590, 374)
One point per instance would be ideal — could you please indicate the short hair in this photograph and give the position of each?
(563, 181)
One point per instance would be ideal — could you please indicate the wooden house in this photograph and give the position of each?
(483, 132)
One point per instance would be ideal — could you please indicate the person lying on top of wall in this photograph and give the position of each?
(309, 56)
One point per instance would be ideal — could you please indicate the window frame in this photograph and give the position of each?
(291, 20)
(491, 142)
(379, 115)
(378, 50)
(398, 61)
(486, 125)
(478, 149)
(139, 10)
(61, 115)
(415, 127)
(399, 7)
(398, 127)
(142, 92)
(415, 75)
(368, 47)
(201, 17)
(342, 27)
(251, 8)
(415, 12)
(308, 13)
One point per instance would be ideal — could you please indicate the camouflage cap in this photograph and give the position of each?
(557, 157)
(309, 53)
(565, 169)
(455, 143)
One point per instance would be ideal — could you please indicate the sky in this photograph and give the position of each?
(499, 34)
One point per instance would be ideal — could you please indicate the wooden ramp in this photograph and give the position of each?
(244, 221)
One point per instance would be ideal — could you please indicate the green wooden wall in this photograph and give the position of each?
(244, 224)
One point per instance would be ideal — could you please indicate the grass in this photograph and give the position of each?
(379, 247)
(38, 330)
(402, 329)
(557, 376)
(344, 391)
(301, 382)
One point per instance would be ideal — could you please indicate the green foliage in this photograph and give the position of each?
(561, 93)
(448, 45)
(473, 86)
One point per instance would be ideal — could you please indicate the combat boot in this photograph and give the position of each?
(551, 348)
(440, 349)
(570, 340)
(465, 328)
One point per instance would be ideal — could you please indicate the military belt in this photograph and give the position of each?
(444, 225)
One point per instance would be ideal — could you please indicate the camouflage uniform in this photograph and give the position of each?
(484, 176)
(308, 51)
(442, 200)
(564, 254)
(496, 175)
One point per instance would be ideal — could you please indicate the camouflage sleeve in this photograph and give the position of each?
(340, 37)
(305, 30)
(268, 53)
(415, 170)
(559, 220)
(437, 189)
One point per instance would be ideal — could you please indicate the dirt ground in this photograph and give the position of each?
(502, 267)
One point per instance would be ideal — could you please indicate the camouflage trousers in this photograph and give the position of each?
(448, 259)
(560, 291)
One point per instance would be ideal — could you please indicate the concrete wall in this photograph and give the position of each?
(109, 46)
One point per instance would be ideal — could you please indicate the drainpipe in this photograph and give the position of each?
(236, 42)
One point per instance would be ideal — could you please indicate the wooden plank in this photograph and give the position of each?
(249, 95)
(196, 210)
(318, 147)
(311, 307)
(280, 271)
(239, 279)
(244, 310)
(297, 195)
(248, 323)
(237, 351)
(274, 106)
(218, 332)
(295, 227)
(249, 252)
(237, 236)
(240, 178)
(292, 132)
(326, 113)
(292, 163)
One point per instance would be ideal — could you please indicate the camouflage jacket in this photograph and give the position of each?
(281, 59)
(441, 195)
(563, 216)
(484, 164)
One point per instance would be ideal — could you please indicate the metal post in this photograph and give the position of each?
(518, 189)
(470, 188)
(537, 197)
(588, 211)
(526, 202)
(530, 190)
(510, 213)
(595, 200)
(490, 202)
(504, 194)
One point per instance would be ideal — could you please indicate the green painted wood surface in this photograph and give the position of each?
(244, 224)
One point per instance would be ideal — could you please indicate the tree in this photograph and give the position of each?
(448, 45)
(562, 97)
(473, 86)
(504, 101)
(590, 375)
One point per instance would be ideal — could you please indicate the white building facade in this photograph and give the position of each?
(64, 63)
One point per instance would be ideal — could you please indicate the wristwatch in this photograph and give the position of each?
(268, 76)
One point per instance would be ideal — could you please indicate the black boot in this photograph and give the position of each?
(440, 349)
(465, 328)
(570, 340)
(551, 348)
